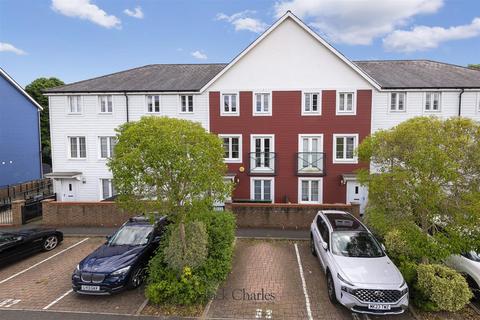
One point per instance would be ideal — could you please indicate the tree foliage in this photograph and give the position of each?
(34, 89)
(426, 180)
(174, 164)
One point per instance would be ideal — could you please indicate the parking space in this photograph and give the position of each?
(277, 280)
(42, 282)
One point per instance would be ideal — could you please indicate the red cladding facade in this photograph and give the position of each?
(286, 123)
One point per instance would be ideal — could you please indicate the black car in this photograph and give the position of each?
(18, 244)
(122, 261)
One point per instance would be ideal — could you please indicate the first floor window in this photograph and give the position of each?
(232, 148)
(74, 104)
(432, 101)
(187, 103)
(262, 103)
(107, 145)
(262, 189)
(106, 104)
(344, 147)
(311, 103)
(345, 102)
(397, 101)
(78, 147)
(309, 190)
(229, 104)
(108, 190)
(153, 104)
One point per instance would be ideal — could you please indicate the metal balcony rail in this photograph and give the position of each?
(262, 162)
(311, 163)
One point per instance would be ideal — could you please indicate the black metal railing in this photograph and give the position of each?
(262, 163)
(311, 163)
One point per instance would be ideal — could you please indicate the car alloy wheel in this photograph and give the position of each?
(312, 247)
(50, 243)
(138, 275)
(331, 289)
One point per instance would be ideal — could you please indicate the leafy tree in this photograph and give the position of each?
(169, 166)
(426, 180)
(474, 66)
(34, 89)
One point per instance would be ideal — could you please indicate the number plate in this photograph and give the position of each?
(379, 306)
(90, 288)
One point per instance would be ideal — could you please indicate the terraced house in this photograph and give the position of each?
(290, 109)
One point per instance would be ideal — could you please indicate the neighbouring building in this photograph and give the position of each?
(290, 109)
(20, 146)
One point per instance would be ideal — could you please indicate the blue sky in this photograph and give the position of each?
(80, 39)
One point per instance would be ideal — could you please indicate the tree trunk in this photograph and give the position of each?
(181, 228)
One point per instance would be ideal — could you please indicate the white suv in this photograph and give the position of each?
(359, 274)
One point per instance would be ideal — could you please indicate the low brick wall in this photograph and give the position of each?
(83, 214)
(282, 216)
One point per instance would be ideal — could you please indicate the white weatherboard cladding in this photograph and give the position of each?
(383, 118)
(289, 59)
(91, 124)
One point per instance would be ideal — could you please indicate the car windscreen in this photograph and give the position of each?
(355, 244)
(472, 255)
(131, 235)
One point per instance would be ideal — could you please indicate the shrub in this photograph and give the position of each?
(195, 251)
(195, 285)
(442, 287)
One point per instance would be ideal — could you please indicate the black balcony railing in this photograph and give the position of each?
(311, 163)
(262, 163)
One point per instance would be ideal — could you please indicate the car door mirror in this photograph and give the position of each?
(157, 239)
(383, 247)
(108, 237)
(18, 239)
(325, 246)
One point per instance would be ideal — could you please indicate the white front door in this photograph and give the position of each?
(357, 193)
(69, 190)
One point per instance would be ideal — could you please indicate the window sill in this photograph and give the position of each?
(106, 113)
(345, 113)
(187, 112)
(309, 114)
(343, 161)
(77, 159)
(259, 114)
(232, 160)
(230, 114)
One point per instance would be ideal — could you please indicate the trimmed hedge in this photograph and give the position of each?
(195, 285)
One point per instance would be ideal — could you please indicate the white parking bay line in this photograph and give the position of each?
(305, 293)
(45, 260)
(58, 299)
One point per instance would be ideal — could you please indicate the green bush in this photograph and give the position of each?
(441, 288)
(195, 285)
(196, 246)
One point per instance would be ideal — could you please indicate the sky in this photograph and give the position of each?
(80, 39)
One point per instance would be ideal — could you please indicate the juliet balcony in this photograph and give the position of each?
(311, 163)
(262, 163)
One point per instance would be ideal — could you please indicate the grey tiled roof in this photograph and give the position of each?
(405, 74)
(155, 77)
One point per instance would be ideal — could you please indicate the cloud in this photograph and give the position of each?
(199, 55)
(136, 13)
(242, 21)
(83, 9)
(357, 22)
(7, 47)
(422, 38)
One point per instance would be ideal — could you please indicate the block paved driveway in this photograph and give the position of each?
(43, 282)
(266, 283)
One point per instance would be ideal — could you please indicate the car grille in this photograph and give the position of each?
(92, 277)
(379, 296)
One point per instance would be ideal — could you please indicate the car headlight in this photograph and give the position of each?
(121, 272)
(343, 280)
(77, 270)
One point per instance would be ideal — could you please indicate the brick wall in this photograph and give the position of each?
(83, 214)
(282, 216)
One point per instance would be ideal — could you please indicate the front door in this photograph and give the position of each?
(69, 190)
(357, 193)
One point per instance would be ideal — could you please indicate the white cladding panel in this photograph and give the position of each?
(289, 58)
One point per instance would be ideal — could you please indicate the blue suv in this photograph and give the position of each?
(122, 261)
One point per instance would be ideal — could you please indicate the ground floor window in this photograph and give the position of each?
(310, 190)
(262, 189)
(108, 190)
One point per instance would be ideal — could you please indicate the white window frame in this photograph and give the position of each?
(301, 136)
(110, 188)
(397, 99)
(230, 113)
(320, 190)
(99, 104)
(240, 146)
(69, 110)
(344, 160)
(254, 104)
(187, 106)
(78, 148)
(319, 103)
(272, 187)
(108, 147)
(272, 150)
(153, 106)
(354, 103)
(431, 102)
